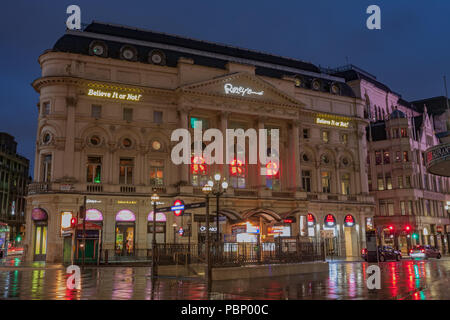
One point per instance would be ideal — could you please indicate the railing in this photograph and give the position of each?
(94, 188)
(287, 250)
(127, 189)
(38, 187)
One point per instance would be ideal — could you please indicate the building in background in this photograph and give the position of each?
(410, 202)
(13, 184)
(110, 98)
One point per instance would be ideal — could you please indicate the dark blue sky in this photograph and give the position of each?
(411, 52)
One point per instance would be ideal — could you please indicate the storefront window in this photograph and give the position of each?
(125, 229)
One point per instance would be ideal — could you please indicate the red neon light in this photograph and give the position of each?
(236, 167)
(272, 168)
(198, 165)
(288, 220)
(330, 218)
(311, 218)
(349, 219)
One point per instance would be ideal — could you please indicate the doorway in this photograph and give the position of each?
(125, 239)
(40, 243)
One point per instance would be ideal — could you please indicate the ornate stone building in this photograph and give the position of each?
(110, 98)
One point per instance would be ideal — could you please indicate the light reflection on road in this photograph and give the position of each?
(408, 279)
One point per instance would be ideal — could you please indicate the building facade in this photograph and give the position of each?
(13, 184)
(411, 204)
(110, 98)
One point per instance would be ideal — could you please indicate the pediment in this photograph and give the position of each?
(243, 86)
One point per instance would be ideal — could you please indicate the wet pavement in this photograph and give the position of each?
(407, 279)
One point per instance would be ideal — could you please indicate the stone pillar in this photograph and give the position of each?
(223, 168)
(293, 170)
(69, 148)
(260, 179)
(184, 123)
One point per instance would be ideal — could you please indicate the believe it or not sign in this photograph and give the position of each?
(241, 91)
(330, 220)
(114, 95)
(349, 221)
(332, 123)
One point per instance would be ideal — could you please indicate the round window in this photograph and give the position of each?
(126, 143)
(316, 85)
(335, 88)
(47, 137)
(298, 82)
(305, 157)
(325, 159)
(156, 145)
(345, 161)
(95, 140)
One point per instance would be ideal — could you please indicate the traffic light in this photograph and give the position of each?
(415, 236)
(73, 222)
(408, 228)
(391, 228)
(18, 238)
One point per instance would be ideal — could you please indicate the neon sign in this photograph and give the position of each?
(114, 95)
(230, 89)
(311, 220)
(349, 220)
(333, 123)
(330, 220)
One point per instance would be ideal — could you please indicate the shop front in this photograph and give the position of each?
(330, 235)
(350, 236)
(87, 243)
(39, 217)
(125, 233)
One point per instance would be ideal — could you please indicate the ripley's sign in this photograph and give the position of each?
(230, 89)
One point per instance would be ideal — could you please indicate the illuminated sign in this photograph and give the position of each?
(330, 220)
(211, 229)
(126, 202)
(276, 231)
(178, 207)
(230, 89)
(125, 215)
(333, 123)
(114, 95)
(94, 215)
(311, 220)
(93, 201)
(181, 231)
(251, 228)
(66, 218)
(349, 220)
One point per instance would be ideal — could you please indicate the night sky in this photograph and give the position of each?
(410, 54)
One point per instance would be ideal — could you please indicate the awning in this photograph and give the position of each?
(39, 214)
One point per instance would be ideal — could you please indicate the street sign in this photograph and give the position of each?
(181, 207)
(178, 207)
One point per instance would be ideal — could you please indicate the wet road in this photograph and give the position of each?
(407, 279)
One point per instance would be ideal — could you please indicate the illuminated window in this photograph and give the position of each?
(273, 176)
(203, 121)
(398, 158)
(388, 181)
(156, 173)
(237, 173)
(344, 138)
(400, 182)
(345, 184)
(405, 156)
(377, 157)
(325, 136)
(326, 182)
(404, 132)
(408, 182)
(94, 170)
(126, 169)
(47, 168)
(380, 182)
(386, 157)
(199, 171)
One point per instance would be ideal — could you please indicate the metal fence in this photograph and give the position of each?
(223, 254)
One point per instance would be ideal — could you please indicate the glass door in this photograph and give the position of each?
(40, 243)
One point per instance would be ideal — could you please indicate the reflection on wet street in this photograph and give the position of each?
(408, 279)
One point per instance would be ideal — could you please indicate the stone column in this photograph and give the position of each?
(260, 179)
(293, 170)
(69, 148)
(184, 123)
(223, 168)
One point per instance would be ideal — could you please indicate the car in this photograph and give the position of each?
(425, 251)
(384, 253)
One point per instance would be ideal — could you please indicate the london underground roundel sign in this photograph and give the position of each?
(330, 220)
(177, 203)
(349, 220)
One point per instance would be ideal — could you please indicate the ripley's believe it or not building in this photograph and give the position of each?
(110, 97)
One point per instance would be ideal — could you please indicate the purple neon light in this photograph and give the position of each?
(125, 215)
(160, 217)
(94, 215)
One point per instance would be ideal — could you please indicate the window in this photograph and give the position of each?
(380, 182)
(400, 182)
(237, 173)
(126, 171)
(409, 208)
(390, 207)
(157, 116)
(398, 158)
(405, 156)
(273, 174)
(404, 132)
(395, 133)
(369, 178)
(46, 108)
(205, 124)
(305, 133)
(324, 159)
(96, 111)
(94, 170)
(199, 168)
(306, 180)
(128, 114)
(345, 184)
(408, 182)
(388, 181)
(344, 138)
(326, 183)
(156, 173)
(47, 168)
(386, 157)
(325, 137)
(377, 157)
(402, 208)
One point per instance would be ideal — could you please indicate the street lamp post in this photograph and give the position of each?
(155, 199)
(218, 190)
(207, 190)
